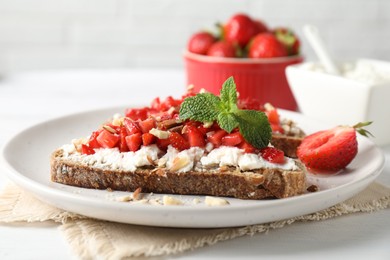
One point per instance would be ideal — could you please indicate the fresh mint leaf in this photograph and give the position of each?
(254, 127)
(229, 95)
(202, 107)
(227, 121)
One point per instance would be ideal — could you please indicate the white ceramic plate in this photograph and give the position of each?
(26, 158)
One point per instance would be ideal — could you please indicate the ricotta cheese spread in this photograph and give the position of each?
(188, 160)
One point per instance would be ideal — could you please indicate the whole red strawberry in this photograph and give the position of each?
(289, 39)
(266, 45)
(261, 27)
(240, 29)
(200, 42)
(330, 150)
(222, 49)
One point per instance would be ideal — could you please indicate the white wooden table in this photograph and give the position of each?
(28, 98)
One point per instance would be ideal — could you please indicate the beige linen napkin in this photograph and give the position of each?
(91, 238)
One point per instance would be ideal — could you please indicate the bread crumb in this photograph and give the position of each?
(212, 201)
(196, 201)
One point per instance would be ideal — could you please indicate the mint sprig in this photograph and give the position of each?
(252, 124)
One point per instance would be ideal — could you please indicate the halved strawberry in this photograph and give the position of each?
(272, 154)
(329, 150)
(232, 139)
(178, 141)
(107, 139)
(134, 141)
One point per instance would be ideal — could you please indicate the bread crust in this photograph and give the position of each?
(288, 144)
(257, 184)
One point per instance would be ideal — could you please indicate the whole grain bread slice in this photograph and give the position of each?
(228, 182)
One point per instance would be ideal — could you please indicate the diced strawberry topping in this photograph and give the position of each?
(122, 143)
(178, 141)
(272, 155)
(216, 137)
(134, 141)
(93, 143)
(85, 149)
(107, 139)
(147, 138)
(195, 137)
(277, 128)
(147, 124)
(232, 139)
(273, 116)
(162, 144)
(131, 126)
(247, 147)
(137, 113)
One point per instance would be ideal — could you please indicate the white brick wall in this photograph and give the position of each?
(44, 34)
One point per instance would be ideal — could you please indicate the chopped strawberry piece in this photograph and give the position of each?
(277, 128)
(134, 141)
(272, 155)
(155, 105)
(162, 144)
(137, 113)
(147, 124)
(107, 139)
(216, 137)
(131, 126)
(85, 149)
(93, 143)
(178, 141)
(122, 143)
(196, 137)
(329, 150)
(273, 116)
(232, 139)
(147, 138)
(247, 147)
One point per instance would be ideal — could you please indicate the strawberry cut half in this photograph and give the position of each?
(329, 150)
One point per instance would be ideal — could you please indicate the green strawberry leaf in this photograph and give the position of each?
(359, 128)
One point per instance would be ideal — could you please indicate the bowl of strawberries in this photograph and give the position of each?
(247, 49)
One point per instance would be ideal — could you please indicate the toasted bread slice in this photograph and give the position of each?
(290, 139)
(228, 181)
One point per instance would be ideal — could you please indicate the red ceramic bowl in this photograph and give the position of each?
(262, 79)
